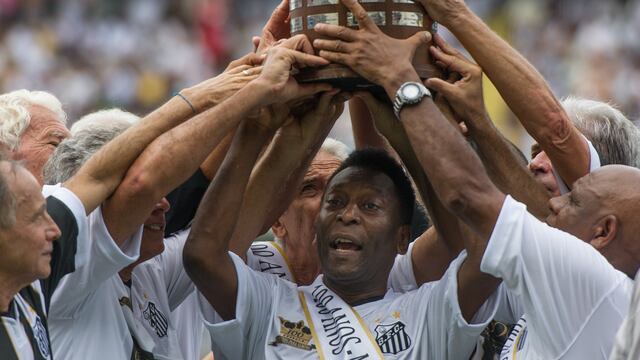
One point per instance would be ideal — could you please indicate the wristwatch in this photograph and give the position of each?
(410, 93)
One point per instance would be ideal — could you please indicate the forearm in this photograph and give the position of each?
(454, 171)
(504, 168)
(527, 94)
(205, 253)
(365, 133)
(99, 177)
(168, 162)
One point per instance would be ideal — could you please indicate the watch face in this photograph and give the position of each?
(411, 91)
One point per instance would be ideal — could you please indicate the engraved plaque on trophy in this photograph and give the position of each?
(396, 18)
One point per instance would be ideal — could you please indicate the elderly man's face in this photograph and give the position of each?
(540, 167)
(40, 140)
(297, 224)
(25, 247)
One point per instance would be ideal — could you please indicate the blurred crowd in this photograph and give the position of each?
(135, 54)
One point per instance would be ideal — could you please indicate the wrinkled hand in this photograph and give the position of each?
(212, 92)
(465, 95)
(368, 51)
(443, 11)
(276, 78)
(277, 28)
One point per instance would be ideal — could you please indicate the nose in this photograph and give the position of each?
(52, 232)
(349, 214)
(556, 203)
(540, 164)
(163, 205)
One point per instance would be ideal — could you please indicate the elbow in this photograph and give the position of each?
(557, 125)
(139, 184)
(456, 202)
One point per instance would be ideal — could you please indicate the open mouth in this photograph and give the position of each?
(155, 227)
(345, 245)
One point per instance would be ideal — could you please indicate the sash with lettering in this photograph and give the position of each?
(268, 257)
(338, 331)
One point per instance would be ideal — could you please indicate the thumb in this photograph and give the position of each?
(420, 38)
(447, 90)
(256, 42)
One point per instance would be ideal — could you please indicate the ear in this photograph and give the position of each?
(402, 244)
(604, 232)
(279, 230)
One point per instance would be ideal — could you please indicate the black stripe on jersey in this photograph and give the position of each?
(64, 249)
(7, 351)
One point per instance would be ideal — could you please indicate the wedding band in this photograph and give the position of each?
(246, 72)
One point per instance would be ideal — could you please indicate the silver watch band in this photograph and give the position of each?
(400, 100)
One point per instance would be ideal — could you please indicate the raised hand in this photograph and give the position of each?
(444, 11)
(465, 95)
(277, 28)
(368, 51)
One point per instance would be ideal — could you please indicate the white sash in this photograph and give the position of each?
(268, 257)
(338, 331)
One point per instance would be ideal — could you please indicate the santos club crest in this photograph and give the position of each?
(392, 339)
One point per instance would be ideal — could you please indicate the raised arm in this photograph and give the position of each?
(171, 159)
(521, 85)
(455, 172)
(205, 254)
(282, 169)
(506, 170)
(100, 176)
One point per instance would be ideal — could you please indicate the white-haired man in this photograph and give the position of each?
(32, 125)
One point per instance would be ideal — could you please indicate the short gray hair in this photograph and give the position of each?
(85, 141)
(615, 137)
(7, 199)
(335, 148)
(15, 117)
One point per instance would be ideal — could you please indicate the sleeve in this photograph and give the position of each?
(546, 268)
(627, 342)
(179, 284)
(401, 277)
(594, 163)
(105, 260)
(184, 201)
(70, 251)
(448, 334)
(246, 334)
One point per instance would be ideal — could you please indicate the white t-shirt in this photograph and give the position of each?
(427, 321)
(572, 298)
(269, 257)
(89, 309)
(627, 343)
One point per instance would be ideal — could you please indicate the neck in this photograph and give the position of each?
(9, 287)
(125, 274)
(303, 261)
(355, 294)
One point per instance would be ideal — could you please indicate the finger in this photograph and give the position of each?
(441, 87)
(360, 14)
(419, 38)
(256, 42)
(278, 16)
(342, 97)
(238, 69)
(308, 60)
(334, 57)
(439, 41)
(333, 45)
(365, 96)
(450, 62)
(335, 31)
(300, 43)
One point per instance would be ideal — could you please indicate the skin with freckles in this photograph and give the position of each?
(296, 227)
(40, 140)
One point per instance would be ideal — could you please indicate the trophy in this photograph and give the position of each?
(396, 18)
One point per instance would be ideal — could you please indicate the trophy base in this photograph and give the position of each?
(342, 77)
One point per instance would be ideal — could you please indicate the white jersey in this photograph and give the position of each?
(572, 298)
(269, 257)
(272, 322)
(94, 313)
(627, 343)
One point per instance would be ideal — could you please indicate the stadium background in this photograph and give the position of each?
(134, 54)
